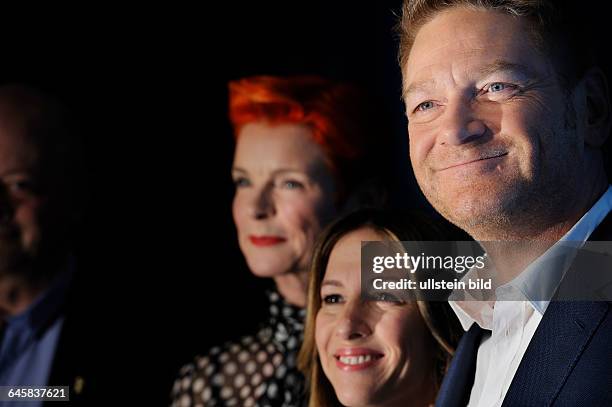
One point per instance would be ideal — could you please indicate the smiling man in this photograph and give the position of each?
(507, 116)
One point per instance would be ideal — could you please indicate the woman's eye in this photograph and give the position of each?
(332, 299)
(241, 182)
(292, 184)
(387, 297)
(424, 106)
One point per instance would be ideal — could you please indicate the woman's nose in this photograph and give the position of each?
(353, 322)
(263, 205)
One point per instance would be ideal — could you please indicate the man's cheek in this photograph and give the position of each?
(30, 221)
(30, 238)
(419, 145)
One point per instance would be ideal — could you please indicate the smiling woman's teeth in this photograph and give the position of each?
(355, 360)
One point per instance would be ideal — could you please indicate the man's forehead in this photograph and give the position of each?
(18, 152)
(464, 37)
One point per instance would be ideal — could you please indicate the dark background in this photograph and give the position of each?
(149, 86)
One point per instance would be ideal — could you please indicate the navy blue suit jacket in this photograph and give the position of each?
(567, 363)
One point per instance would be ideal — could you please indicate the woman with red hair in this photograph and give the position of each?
(300, 142)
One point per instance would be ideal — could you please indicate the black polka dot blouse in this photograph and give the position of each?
(258, 370)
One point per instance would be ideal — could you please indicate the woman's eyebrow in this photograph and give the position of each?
(333, 283)
(281, 171)
(277, 171)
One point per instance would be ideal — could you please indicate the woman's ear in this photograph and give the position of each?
(598, 119)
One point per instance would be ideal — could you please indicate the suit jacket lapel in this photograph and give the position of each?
(557, 344)
(560, 339)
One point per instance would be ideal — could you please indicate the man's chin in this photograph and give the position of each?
(476, 213)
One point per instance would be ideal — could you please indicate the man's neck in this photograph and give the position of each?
(16, 295)
(513, 248)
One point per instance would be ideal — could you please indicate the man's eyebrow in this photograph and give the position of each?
(505, 66)
(417, 86)
(489, 69)
(16, 171)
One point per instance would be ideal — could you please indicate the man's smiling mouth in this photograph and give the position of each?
(484, 157)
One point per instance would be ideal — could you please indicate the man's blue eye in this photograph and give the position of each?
(425, 106)
(497, 87)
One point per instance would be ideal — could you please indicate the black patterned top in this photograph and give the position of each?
(258, 370)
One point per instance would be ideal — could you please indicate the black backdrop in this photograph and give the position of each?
(149, 87)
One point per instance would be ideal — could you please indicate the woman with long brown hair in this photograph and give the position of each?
(380, 352)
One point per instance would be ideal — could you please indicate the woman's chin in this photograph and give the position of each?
(350, 399)
(361, 389)
(267, 269)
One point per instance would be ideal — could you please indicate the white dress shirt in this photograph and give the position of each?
(513, 323)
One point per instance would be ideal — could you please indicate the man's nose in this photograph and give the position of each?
(353, 323)
(263, 205)
(461, 125)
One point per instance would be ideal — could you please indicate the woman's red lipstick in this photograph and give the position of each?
(266, 240)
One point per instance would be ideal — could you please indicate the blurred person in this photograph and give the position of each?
(42, 322)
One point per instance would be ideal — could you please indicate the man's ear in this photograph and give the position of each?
(598, 120)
